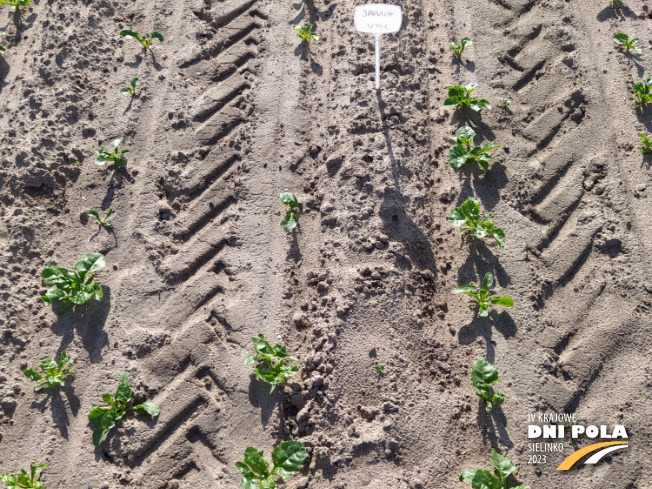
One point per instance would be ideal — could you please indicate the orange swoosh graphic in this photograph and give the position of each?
(575, 456)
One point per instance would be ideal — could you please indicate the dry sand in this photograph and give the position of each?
(233, 111)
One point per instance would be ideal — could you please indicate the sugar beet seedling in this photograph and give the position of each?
(461, 98)
(483, 376)
(146, 41)
(462, 153)
(458, 48)
(270, 362)
(643, 92)
(480, 296)
(16, 5)
(116, 157)
(73, 287)
(131, 90)
(291, 215)
(626, 43)
(468, 215)
(53, 372)
(306, 34)
(483, 479)
(287, 457)
(101, 222)
(25, 480)
(118, 404)
(647, 144)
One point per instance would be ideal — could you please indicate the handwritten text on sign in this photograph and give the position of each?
(378, 18)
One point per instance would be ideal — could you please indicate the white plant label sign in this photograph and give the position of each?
(378, 19)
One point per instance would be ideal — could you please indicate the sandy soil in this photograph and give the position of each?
(232, 112)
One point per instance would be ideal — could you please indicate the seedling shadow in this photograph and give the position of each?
(259, 397)
(155, 63)
(468, 64)
(88, 321)
(131, 102)
(620, 12)
(647, 161)
(487, 188)
(492, 424)
(118, 176)
(481, 260)
(303, 52)
(398, 225)
(135, 64)
(4, 71)
(294, 253)
(503, 323)
(644, 115)
(58, 405)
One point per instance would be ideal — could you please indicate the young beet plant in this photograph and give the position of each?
(461, 98)
(131, 90)
(16, 5)
(287, 457)
(53, 372)
(73, 287)
(116, 158)
(270, 362)
(480, 296)
(468, 215)
(483, 377)
(643, 92)
(291, 215)
(647, 144)
(380, 370)
(626, 43)
(458, 48)
(25, 480)
(146, 41)
(101, 222)
(461, 153)
(118, 404)
(305, 33)
(483, 479)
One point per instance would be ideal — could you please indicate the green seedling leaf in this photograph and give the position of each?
(117, 406)
(462, 152)
(484, 479)
(101, 222)
(16, 4)
(270, 362)
(73, 287)
(468, 216)
(291, 215)
(116, 158)
(53, 372)
(480, 296)
(25, 480)
(130, 90)
(146, 41)
(504, 103)
(483, 377)
(647, 144)
(461, 98)
(643, 92)
(2, 49)
(623, 40)
(380, 370)
(305, 33)
(287, 457)
(458, 48)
